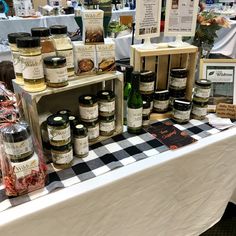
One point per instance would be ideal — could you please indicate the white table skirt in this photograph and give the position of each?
(180, 193)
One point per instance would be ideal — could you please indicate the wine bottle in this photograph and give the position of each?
(127, 88)
(135, 106)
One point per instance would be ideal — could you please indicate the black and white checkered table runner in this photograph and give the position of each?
(105, 156)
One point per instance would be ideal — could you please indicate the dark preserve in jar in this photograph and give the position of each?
(178, 78)
(181, 111)
(161, 101)
(107, 125)
(146, 113)
(176, 94)
(147, 82)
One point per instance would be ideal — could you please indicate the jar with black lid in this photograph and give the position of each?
(64, 112)
(175, 94)
(202, 90)
(146, 113)
(181, 111)
(107, 125)
(73, 121)
(58, 130)
(106, 103)
(148, 98)
(161, 101)
(93, 130)
(62, 156)
(147, 82)
(17, 142)
(56, 71)
(88, 108)
(199, 110)
(178, 78)
(81, 145)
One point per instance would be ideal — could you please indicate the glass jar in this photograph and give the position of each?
(93, 130)
(88, 108)
(81, 145)
(107, 125)
(62, 156)
(181, 111)
(146, 114)
(148, 98)
(106, 103)
(161, 101)
(199, 110)
(202, 90)
(175, 94)
(58, 130)
(147, 82)
(16, 55)
(178, 78)
(32, 64)
(63, 46)
(46, 42)
(65, 112)
(56, 71)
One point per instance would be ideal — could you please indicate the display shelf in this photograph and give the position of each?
(34, 105)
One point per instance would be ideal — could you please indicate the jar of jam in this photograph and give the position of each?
(161, 101)
(199, 110)
(58, 130)
(181, 111)
(88, 108)
(147, 82)
(106, 103)
(175, 94)
(56, 71)
(93, 130)
(107, 125)
(81, 145)
(178, 78)
(62, 156)
(202, 90)
(146, 113)
(148, 98)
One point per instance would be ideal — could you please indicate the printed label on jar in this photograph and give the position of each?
(146, 111)
(24, 168)
(107, 126)
(88, 113)
(199, 111)
(57, 75)
(202, 93)
(134, 118)
(62, 158)
(182, 115)
(68, 54)
(56, 134)
(146, 86)
(178, 82)
(93, 132)
(81, 145)
(17, 62)
(161, 105)
(32, 67)
(48, 54)
(18, 148)
(107, 106)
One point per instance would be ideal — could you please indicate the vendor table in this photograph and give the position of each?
(150, 190)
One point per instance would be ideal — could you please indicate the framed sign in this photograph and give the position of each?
(181, 17)
(222, 74)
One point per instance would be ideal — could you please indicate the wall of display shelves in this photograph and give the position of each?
(161, 60)
(34, 105)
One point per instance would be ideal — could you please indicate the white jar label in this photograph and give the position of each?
(93, 132)
(178, 82)
(17, 62)
(182, 115)
(88, 113)
(24, 168)
(146, 86)
(68, 54)
(56, 134)
(107, 106)
(32, 67)
(146, 111)
(57, 75)
(202, 93)
(107, 126)
(134, 119)
(199, 111)
(81, 145)
(62, 158)
(18, 148)
(48, 54)
(161, 105)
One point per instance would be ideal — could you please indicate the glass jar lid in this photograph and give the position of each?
(80, 130)
(64, 112)
(28, 42)
(203, 83)
(161, 95)
(58, 29)
(40, 32)
(178, 72)
(182, 104)
(73, 121)
(57, 120)
(12, 37)
(146, 76)
(146, 104)
(106, 95)
(88, 99)
(54, 60)
(107, 118)
(63, 148)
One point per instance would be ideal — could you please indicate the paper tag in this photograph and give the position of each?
(226, 110)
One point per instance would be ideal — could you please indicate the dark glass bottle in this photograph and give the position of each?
(127, 88)
(135, 106)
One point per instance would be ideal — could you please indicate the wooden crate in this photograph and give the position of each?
(161, 60)
(51, 100)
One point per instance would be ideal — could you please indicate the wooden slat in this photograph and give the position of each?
(150, 63)
(184, 60)
(175, 60)
(162, 72)
(138, 62)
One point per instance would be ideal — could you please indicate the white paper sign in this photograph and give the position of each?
(180, 17)
(148, 16)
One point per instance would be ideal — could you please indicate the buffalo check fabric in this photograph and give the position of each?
(115, 152)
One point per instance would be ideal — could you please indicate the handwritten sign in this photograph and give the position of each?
(225, 110)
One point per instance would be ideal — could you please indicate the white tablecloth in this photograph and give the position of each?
(179, 193)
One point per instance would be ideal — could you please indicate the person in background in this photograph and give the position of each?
(7, 74)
